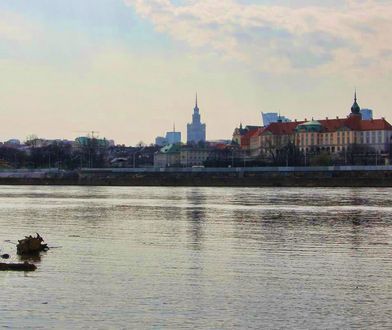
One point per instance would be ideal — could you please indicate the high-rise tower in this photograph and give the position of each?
(196, 131)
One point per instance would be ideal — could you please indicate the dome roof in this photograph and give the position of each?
(355, 108)
(312, 125)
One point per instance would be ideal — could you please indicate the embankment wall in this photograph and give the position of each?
(344, 176)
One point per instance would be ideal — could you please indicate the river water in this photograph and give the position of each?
(221, 258)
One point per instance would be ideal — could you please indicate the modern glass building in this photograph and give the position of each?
(173, 137)
(367, 114)
(273, 117)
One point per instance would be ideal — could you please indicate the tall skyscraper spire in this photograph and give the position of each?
(196, 131)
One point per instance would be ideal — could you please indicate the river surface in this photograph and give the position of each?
(204, 258)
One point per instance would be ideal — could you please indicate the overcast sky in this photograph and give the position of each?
(130, 68)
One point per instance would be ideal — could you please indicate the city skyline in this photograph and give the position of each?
(174, 136)
(128, 69)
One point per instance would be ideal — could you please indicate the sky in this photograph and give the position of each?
(130, 69)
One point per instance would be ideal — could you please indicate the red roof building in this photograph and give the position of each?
(331, 135)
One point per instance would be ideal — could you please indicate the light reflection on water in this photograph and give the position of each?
(200, 258)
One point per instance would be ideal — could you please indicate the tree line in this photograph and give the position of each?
(58, 154)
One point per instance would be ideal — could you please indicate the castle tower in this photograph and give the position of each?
(355, 109)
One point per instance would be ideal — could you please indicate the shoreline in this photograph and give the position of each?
(342, 176)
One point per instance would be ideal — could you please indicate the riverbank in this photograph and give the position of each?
(335, 176)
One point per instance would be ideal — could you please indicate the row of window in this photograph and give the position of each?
(309, 139)
(330, 149)
(342, 138)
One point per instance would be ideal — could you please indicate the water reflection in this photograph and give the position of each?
(196, 215)
(35, 257)
(200, 257)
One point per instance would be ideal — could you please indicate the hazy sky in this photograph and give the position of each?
(130, 68)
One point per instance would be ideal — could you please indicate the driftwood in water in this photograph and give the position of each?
(24, 267)
(31, 245)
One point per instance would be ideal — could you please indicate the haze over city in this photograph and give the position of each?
(129, 69)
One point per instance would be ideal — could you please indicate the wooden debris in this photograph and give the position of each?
(23, 267)
(31, 245)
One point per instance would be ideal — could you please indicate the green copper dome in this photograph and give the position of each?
(355, 109)
(312, 123)
(310, 126)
